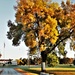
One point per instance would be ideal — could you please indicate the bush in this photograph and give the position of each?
(52, 60)
(66, 61)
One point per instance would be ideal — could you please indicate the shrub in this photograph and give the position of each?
(52, 60)
(66, 61)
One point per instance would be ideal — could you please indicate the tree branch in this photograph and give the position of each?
(57, 43)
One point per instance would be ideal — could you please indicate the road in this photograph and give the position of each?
(9, 71)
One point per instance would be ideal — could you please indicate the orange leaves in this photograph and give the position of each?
(26, 10)
(54, 39)
(23, 13)
(41, 32)
(31, 17)
(31, 43)
(26, 4)
(41, 21)
(42, 24)
(30, 39)
(42, 47)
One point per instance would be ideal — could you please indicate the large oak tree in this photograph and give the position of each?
(43, 25)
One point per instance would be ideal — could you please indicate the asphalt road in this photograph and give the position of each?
(9, 71)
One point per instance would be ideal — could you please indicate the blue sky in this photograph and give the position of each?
(7, 12)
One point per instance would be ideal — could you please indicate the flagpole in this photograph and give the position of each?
(4, 53)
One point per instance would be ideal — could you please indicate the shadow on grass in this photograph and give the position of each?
(55, 72)
(52, 71)
(32, 71)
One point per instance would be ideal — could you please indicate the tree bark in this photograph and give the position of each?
(44, 56)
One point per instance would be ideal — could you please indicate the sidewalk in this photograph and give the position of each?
(24, 72)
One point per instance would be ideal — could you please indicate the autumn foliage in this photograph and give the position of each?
(36, 18)
(43, 25)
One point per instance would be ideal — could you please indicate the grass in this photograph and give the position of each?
(58, 70)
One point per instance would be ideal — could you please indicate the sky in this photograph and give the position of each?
(7, 12)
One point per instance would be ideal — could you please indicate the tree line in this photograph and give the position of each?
(50, 62)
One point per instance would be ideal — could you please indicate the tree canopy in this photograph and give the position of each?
(43, 24)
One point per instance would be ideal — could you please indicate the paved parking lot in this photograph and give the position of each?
(9, 71)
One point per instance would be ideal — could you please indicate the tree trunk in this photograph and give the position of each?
(44, 56)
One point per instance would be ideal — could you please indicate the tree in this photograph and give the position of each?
(19, 61)
(52, 59)
(10, 61)
(43, 25)
(24, 61)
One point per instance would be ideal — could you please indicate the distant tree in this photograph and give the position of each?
(43, 25)
(9, 62)
(66, 61)
(24, 60)
(19, 61)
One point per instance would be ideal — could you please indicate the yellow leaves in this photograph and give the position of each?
(26, 3)
(24, 19)
(41, 32)
(56, 32)
(53, 40)
(42, 47)
(30, 39)
(51, 21)
(47, 28)
(54, 5)
(53, 36)
(34, 43)
(19, 61)
(23, 13)
(42, 14)
(31, 43)
(31, 17)
(60, 21)
(46, 36)
(28, 8)
(50, 11)
(54, 23)
(40, 3)
(30, 3)
(26, 14)
(50, 30)
(68, 23)
(68, 26)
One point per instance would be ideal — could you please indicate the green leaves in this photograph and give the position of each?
(15, 33)
(52, 59)
(61, 48)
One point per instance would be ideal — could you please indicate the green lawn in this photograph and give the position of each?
(57, 70)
